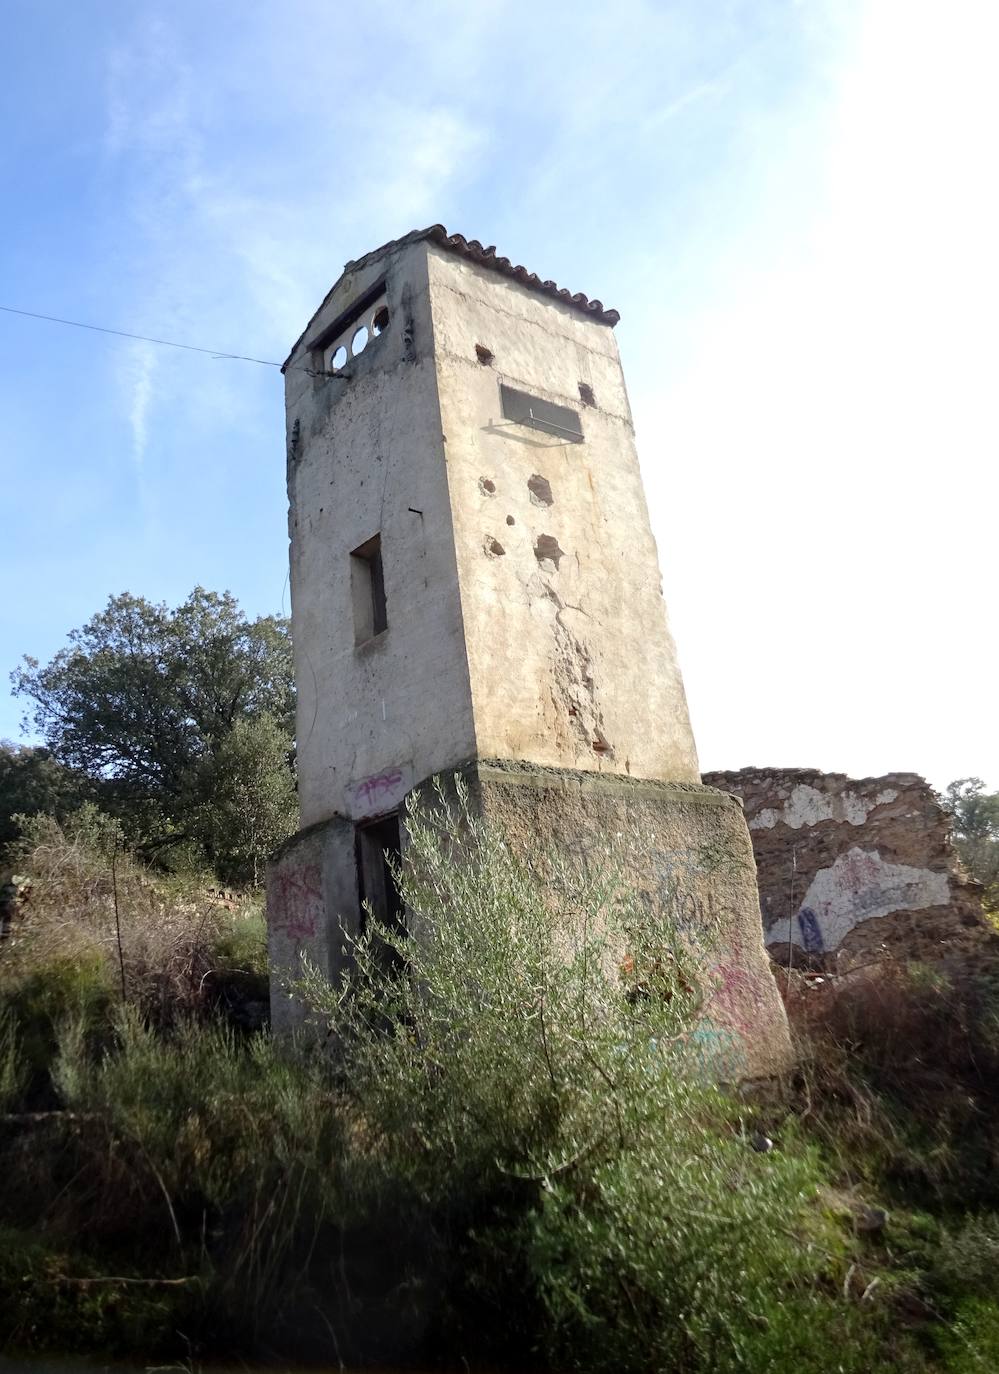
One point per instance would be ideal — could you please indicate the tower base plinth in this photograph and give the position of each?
(693, 860)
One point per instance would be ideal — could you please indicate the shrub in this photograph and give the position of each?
(194, 1154)
(536, 1121)
(965, 1260)
(159, 941)
(970, 1344)
(899, 1075)
(13, 1069)
(514, 1150)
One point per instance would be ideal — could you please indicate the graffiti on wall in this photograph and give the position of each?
(295, 902)
(738, 992)
(858, 886)
(811, 932)
(715, 1052)
(380, 792)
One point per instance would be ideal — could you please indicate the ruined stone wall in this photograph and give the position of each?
(849, 870)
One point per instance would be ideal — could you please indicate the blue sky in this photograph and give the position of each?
(791, 204)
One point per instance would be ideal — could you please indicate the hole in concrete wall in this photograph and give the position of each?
(352, 331)
(586, 394)
(487, 486)
(546, 549)
(484, 355)
(510, 520)
(494, 548)
(367, 590)
(600, 745)
(541, 490)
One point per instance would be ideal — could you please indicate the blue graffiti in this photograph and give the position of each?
(715, 1052)
(811, 933)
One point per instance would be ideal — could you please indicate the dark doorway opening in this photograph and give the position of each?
(378, 843)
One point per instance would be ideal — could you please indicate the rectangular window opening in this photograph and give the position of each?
(367, 589)
(378, 844)
(525, 409)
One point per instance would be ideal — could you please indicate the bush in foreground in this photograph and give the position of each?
(539, 1123)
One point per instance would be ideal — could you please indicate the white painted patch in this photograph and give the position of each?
(854, 808)
(808, 806)
(859, 886)
(765, 819)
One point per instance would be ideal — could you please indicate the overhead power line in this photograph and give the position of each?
(139, 338)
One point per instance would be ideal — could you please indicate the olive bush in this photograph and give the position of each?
(527, 1103)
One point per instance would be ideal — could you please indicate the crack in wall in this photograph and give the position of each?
(579, 721)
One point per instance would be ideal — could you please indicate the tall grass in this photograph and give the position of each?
(899, 1077)
(98, 918)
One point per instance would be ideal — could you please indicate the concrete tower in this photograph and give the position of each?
(475, 587)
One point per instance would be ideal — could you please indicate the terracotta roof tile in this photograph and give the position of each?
(484, 256)
(487, 257)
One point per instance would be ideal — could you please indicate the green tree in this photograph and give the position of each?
(976, 833)
(31, 780)
(252, 805)
(143, 701)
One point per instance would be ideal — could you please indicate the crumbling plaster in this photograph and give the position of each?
(850, 869)
(525, 619)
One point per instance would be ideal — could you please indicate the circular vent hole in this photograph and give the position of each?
(338, 359)
(360, 341)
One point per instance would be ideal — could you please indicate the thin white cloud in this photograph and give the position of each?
(235, 255)
(425, 153)
(141, 369)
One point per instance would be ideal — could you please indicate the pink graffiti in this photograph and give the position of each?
(380, 783)
(736, 996)
(296, 901)
(860, 870)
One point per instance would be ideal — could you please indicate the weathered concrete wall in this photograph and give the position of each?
(312, 906)
(693, 861)
(848, 869)
(525, 615)
(366, 456)
(569, 651)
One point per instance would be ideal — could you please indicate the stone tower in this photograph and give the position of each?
(475, 587)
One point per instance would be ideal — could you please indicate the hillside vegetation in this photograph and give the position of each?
(513, 1156)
